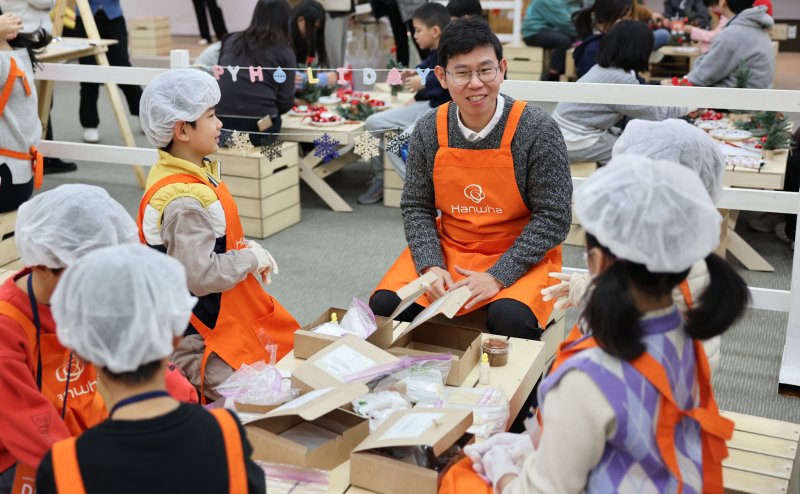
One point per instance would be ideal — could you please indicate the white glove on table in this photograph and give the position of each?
(517, 446)
(569, 292)
(498, 463)
(266, 263)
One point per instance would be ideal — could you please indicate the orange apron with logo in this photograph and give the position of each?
(67, 472)
(249, 317)
(32, 154)
(69, 383)
(483, 214)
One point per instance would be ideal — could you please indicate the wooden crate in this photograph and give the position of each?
(762, 456)
(392, 184)
(779, 32)
(267, 192)
(525, 63)
(150, 36)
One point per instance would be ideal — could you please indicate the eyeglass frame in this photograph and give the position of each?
(473, 73)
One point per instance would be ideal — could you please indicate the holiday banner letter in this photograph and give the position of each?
(369, 76)
(342, 71)
(311, 78)
(233, 71)
(256, 73)
(217, 70)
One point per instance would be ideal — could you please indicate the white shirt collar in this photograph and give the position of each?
(474, 136)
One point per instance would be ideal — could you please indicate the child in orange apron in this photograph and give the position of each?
(631, 403)
(496, 171)
(188, 212)
(48, 393)
(122, 308)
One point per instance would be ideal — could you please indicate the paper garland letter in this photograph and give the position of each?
(370, 76)
(217, 70)
(256, 73)
(311, 78)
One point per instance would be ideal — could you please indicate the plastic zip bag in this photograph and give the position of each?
(256, 384)
(378, 407)
(285, 479)
(358, 320)
(489, 406)
(417, 378)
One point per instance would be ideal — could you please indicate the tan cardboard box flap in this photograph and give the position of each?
(411, 292)
(317, 403)
(438, 428)
(448, 305)
(331, 365)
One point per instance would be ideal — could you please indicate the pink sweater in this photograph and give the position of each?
(706, 36)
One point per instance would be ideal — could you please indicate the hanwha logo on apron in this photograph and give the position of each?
(474, 193)
(73, 370)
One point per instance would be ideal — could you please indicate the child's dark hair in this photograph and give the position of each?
(313, 44)
(627, 46)
(710, 3)
(144, 373)
(432, 15)
(737, 6)
(614, 319)
(168, 147)
(269, 26)
(33, 42)
(606, 13)
(462, 36)
(463, 8)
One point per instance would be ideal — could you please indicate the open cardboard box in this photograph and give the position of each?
(328, 367)
(437, 428)
(310, 431)
(308, 342)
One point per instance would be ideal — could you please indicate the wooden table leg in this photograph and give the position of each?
(748, 256)
(44, 91)
(320, 186)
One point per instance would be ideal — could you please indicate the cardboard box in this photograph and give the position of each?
(329, 366)
(307, 342)
(310, 431)
(437, 428)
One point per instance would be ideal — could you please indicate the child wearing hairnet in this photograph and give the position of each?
(188, 213)
(47, 393)
(122, 308)
(630, 406)
(681, 142)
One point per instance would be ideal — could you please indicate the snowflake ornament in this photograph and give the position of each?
(399, 145)
(326, 148)
(240, 141)
(366, 146)
(273, 150)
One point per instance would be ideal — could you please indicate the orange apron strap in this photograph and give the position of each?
(687, 293)
(237, 473)
(35, 157)
(66, 470)
(172, 179)
(511, 125)
(17, 315)
(14, 72)
(441, 124)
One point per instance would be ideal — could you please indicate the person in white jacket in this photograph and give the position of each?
(681, 142)
(34, 13)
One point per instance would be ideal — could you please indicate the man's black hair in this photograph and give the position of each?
(462, 36)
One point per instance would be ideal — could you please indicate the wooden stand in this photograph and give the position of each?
(46, 87)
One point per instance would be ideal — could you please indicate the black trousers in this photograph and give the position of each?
(792, 182)
(555, 40)
(217, 20)
(12, 195)
(400, 32)
(117, 56)
(506, 317)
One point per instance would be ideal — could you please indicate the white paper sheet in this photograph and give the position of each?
(298, 402)
(309, 435)
(411, 426)
(344, 361)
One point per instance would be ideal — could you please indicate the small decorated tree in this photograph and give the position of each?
(742, 74)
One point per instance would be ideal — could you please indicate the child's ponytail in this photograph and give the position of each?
(721, 304)
(583, 22)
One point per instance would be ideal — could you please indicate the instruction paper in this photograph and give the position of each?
(411, 426)
(344, 361)
(298, 402)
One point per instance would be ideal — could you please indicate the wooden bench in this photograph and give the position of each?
(392, 184)
(9, 257)
(525, 63)
(762, 456)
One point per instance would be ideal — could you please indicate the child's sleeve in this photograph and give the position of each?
(188, 234)
(716, 65)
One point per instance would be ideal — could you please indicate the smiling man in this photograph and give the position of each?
(486, 202)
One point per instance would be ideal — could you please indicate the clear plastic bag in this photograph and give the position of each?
(380, 406)
(489, 406)
(358, 320)
(256, 384)
(417, 378)
(285, 479)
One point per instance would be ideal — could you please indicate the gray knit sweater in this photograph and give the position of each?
(543, 178)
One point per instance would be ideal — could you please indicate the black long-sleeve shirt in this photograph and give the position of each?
(182, 451)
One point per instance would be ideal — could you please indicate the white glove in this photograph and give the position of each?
(569, 292)
(266, 263)
(518, 446)
(498, 463)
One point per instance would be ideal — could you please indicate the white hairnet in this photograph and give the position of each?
(57, 227)
(678, 141)
(178, 95)
(120, 307)
(649, 212)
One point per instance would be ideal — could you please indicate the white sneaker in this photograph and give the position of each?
(91, 135)
(202, 42)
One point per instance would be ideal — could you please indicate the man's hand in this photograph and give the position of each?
(10, 26)
(414, 83)
(482, 285)
(440, 286)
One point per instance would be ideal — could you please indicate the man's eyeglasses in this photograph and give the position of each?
(462, 76)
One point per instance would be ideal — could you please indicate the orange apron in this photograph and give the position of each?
(248, 317)
(69, 383)
(67, 472)
(482, 215)
(33, 155)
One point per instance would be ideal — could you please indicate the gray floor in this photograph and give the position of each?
(328, 258)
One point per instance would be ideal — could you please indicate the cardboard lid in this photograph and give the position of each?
(438, 428)
(411, 292)
(448, 306)
(348, 355)
(317, 403)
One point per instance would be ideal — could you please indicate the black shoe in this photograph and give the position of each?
(55, 165)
